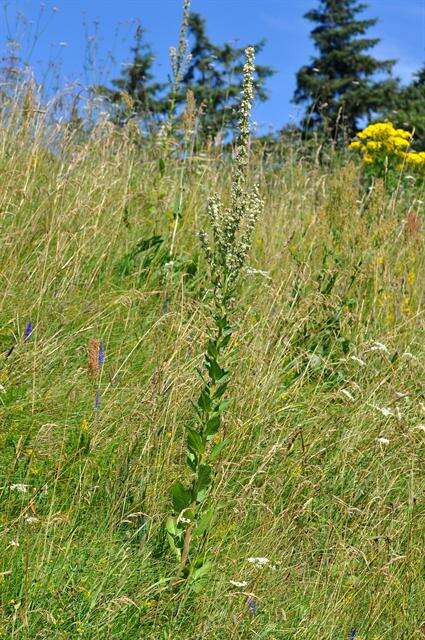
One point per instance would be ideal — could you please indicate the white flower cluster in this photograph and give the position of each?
(232, 226)
(180, 57)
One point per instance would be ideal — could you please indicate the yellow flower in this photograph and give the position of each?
(356, 145)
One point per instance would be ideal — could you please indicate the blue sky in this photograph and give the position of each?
(64, 27)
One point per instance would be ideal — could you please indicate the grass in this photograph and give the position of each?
(323, 475)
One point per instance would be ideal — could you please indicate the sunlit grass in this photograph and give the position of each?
(323, 474)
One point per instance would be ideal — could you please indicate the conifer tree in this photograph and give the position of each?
(215, 77)
(409, 109)
(136, 93)
(340, 86)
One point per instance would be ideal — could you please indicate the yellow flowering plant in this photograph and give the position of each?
(385, 150)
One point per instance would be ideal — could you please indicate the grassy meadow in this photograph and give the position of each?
(323, 475)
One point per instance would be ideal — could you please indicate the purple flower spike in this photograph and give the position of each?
(353, 634)
(28, 330)
(97, 400)
(252, 605)
(101, 354)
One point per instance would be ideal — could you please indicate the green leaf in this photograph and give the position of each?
(191, 461)
(213, 425)
(161, 165)
(204, 522)
(212, 348)
(170, 526)
(215, 371)
(194, 441)
(223, 405)
(225, 340)
(180, 496)
(198, 575)
(216, 450)
(204, 477)
(204, 400)
(221, 388)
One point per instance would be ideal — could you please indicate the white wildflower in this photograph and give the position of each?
(239, 585)
(359, 361)
(382, 440)
(31, 520)
(13, 543)
(259, 562)
(385, 411)
(19, 488)
(314, 361)
(379, 346)
(250, 271)
(421, 427)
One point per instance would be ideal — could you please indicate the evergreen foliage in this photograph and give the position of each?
(339, 86)
(136, 93)
(409, 109)
(215, 77)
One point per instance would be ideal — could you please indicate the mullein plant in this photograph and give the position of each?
(226, 247)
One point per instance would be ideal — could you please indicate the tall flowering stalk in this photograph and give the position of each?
(226, 248)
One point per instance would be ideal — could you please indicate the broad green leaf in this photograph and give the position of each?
(191, 461)
(212, 348)
(204, 522)
(212, 425)
(198, 576)
(204, 477)
(181, 496)
(204, 400)
(216, 450)
(215, 371)
(170, 526)
(194, 441)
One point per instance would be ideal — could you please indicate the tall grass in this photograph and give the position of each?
(321, 484)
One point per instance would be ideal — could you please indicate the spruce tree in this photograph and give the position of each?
(214, 75)
(136, 93)
(339, 86)
(409, 109)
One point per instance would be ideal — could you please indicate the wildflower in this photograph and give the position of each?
(385, 411)
(14, 543)
(259, 562)
(382, 440)
(97, 400)
(359, 361)
(252, 605)
(382, 141)
(101, 354)
(93, 356)
(239, 585)
(314, 361)
(409, 355)
(31, 520)
(28, 330)
(232, 226)
(379, 346)
(353, 634)
(19, 488)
